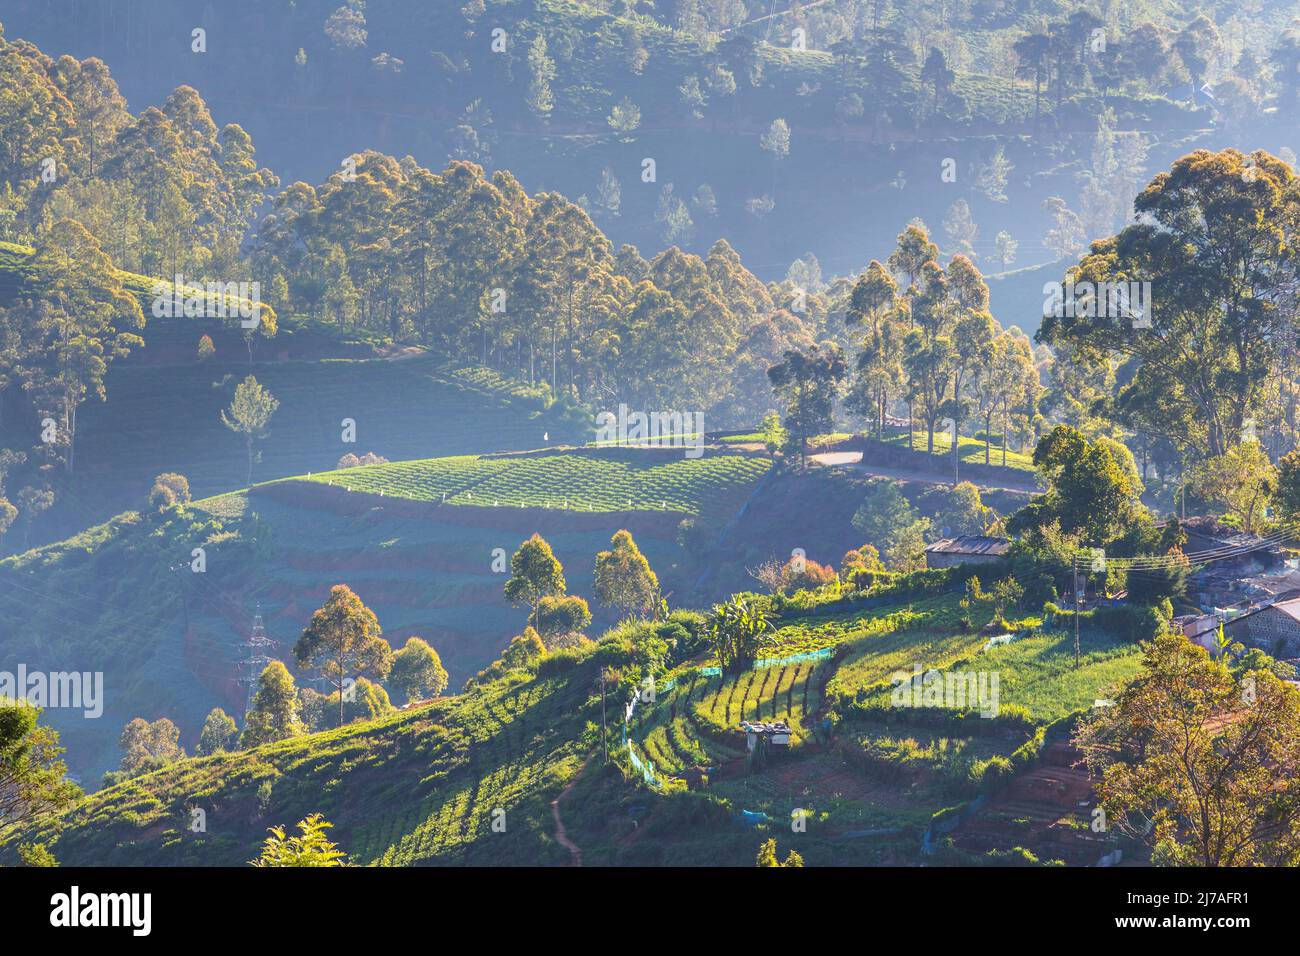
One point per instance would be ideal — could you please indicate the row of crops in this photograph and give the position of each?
(576, 480)
(512, 738)
(694, 724)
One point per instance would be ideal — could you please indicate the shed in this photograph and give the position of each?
(966, 549)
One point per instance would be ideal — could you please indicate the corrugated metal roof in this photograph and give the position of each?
(971, 544)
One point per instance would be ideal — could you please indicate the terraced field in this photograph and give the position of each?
(695, 724)
(594, 480)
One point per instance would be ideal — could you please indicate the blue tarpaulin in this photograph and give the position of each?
(803, 658)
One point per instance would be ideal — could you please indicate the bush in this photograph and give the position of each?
(694, 537)
(369, 458)
(806, 575)
(989, 775)
(169, 489)
(564, 660)
(557, 617)
(1130, 622)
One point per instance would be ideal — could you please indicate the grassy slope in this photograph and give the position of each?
(420, 787)
(972, 449)
(417, 787)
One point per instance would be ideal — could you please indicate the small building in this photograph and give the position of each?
(966, 549)
(1273, 628)
(1247, 569)
(1200, 629)
(776, 733)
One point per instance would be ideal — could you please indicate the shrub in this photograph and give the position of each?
(558, 617)
(369, 458)
(169, 489)
(1130, 622)
(989, 775)
(804, 574)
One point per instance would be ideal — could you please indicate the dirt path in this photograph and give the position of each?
(561, 834)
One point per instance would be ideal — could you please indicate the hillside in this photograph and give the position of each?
(121, 598)
(421, 787)
(418, 787)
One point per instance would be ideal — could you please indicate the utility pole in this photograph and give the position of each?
(956, 459)
(1077, 602)
(604, 739)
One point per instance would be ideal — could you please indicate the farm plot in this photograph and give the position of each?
(771, 693)
(580, 480)
(587, 482)
(433, 479)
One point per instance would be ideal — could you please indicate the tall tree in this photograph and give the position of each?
(218, 733)
(81, 322)
(874, 308)
(343, 641)
(1033, 52)
(809, 382)
(1199, 763)
(623, 576)
(33, 781)
(535, 573)
(417, 671)
(147, 745)
(248, 414)
(275, 712)
(1216, 242)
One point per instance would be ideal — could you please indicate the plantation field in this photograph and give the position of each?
(420, 787)
(1035, 672)
(929, 748)
(696, 723)
(606, 480)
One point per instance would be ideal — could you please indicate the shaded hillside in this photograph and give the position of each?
(812, 510)
(419, 787)
(121, 598)
(162, 417)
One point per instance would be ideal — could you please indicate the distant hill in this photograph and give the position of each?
(1016, 297)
